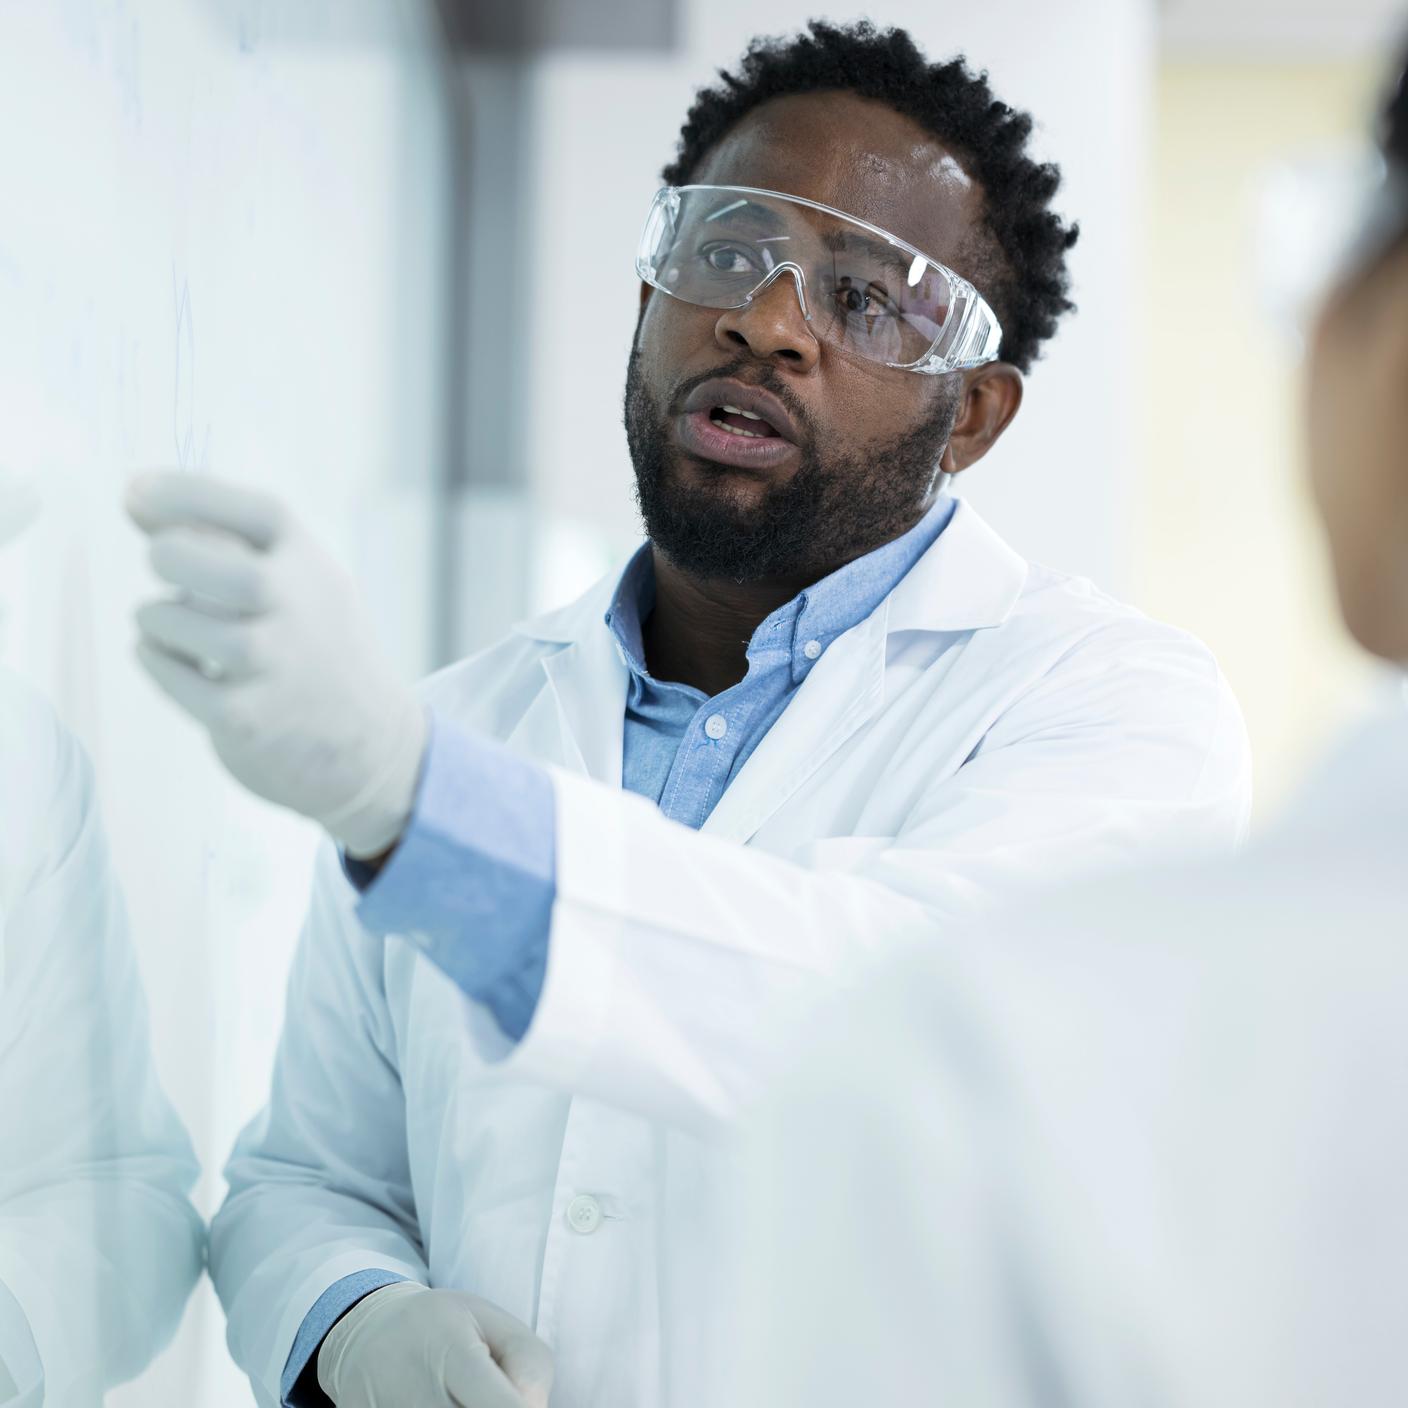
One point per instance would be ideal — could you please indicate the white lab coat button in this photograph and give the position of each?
(584, 1214)
(716, 726)
(812, 649)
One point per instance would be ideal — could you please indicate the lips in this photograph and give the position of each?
(732, 423)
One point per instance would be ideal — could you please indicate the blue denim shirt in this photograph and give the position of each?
(473, 876)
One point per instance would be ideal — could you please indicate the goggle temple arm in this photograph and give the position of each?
(972, 335)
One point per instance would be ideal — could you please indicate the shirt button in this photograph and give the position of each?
(584, 1214)
(716, 726)
(812, 649)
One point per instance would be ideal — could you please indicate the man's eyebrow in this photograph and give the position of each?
(838, 241)
(909, 267)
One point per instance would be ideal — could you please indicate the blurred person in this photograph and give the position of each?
(823, 708)
(1147, 1144)
(99, 1244)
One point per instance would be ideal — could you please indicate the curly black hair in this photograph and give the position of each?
(1023, 272)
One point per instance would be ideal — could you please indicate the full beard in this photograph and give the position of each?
(832, 510)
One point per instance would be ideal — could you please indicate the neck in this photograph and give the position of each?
(699, 631)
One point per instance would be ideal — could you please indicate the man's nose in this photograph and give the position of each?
(772, 327)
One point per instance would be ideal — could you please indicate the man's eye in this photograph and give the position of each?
(728, 259)
(868, 300)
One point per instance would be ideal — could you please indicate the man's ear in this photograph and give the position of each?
(992, 395)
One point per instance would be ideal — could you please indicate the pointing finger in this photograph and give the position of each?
(162, 498)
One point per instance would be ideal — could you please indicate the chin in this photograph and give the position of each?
(720, 484)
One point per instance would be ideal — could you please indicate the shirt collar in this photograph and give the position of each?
(632, 601)
(819, 613)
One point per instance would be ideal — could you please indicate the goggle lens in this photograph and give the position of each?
(719, 247)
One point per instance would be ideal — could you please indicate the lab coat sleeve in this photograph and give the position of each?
(677, 958)
(320, 1184)
(99, 1243)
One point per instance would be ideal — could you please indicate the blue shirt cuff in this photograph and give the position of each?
(327, 1310)
(473, 879)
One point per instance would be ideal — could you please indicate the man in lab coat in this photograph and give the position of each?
(1147, 1145)
(584, 878)
(99, 1244)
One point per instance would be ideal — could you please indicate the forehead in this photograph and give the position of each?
(860, 156)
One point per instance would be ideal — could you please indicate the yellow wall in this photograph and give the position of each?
(1226, 543)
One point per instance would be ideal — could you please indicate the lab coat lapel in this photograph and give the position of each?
(579, 718)
(843, 690)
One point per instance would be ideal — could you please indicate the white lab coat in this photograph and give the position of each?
(1146, 1145)
(991, 725)
(99, 1244)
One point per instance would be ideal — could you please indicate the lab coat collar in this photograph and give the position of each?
(969, 579)
(577, 620)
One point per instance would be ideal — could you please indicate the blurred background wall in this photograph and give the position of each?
(1258, 158)
(375, 256)
(1255, 138)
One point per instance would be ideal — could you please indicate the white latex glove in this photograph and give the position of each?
(406, 1344)
(267, 645)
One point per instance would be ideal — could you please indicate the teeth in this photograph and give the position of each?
(738, 430)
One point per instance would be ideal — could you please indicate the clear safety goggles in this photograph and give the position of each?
(859, 286)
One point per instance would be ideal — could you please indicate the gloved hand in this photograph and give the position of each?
(267, 646)
(406, 1344)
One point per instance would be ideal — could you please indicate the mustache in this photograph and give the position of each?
(744, 369)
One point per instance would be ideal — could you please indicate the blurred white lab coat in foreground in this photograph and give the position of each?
(99, 1244)
(990, 726)
(1146, 1145)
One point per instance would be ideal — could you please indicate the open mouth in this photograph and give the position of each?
(744, 427)
(737, 421)
(728, 435)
